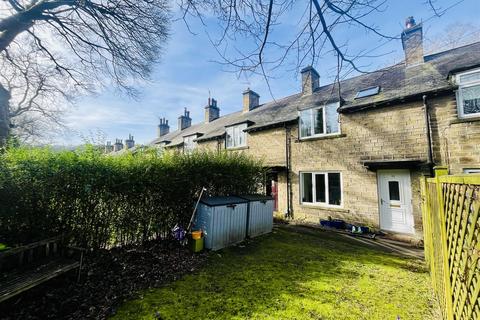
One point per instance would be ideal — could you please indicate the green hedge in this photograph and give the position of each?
(111, 200)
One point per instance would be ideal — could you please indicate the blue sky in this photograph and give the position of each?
(188, 72)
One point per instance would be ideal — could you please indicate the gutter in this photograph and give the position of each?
(271, 125)
(215, 137)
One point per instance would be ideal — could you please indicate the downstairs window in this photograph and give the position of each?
(323, 188)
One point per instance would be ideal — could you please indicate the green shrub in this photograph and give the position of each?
(111, 200)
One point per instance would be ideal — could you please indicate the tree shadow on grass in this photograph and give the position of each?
(293, 275)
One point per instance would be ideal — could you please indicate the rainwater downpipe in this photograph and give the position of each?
(287, 164)
(430, 162)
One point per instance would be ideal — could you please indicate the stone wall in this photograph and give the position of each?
(390, 133)
(456, 141)
(395, 132)
(268, 145)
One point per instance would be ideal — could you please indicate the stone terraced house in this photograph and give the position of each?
(357, 150)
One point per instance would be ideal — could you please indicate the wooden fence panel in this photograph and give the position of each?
(451, 207)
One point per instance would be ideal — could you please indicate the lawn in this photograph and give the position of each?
(294, 275)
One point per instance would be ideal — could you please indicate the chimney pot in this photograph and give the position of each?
(212, 112)
(184, 121)
(129, 143)
(410, 22)
(163, 127)
(118, 145)
(108, 147)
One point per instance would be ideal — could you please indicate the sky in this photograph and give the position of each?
(189, 73)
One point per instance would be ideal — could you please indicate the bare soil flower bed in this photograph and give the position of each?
(108, 278)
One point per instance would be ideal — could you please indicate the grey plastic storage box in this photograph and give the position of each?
(259, 214)
(223, 221)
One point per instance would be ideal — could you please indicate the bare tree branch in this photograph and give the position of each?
(85, 43)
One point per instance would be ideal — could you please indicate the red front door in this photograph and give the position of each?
(275, 195)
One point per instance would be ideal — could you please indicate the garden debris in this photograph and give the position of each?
(109, 277)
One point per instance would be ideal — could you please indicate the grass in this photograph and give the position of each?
(294, 275)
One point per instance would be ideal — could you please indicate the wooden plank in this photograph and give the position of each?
(461, 179)
(33, 279)
(466, 297)
(463, 257)
(18, 275)
(458, 209)
(443, 248)
(17, 250)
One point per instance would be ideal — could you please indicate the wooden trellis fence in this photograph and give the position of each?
(451, 205)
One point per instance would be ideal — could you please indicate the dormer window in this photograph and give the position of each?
(189, 143)
(468, 94)
(319, 121)
(236, 136)
(367, 92)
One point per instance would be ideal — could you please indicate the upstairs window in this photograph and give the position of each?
(236, 137)
(468, 94)
(322, 188)
(189, 143)
(319, 121)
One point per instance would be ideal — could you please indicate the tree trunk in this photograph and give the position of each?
(4, 115)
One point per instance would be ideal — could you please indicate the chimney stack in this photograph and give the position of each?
(412, 41)
(163, 127)
(251, 100)
(184, 121)
(108, 147)
(118, 145)
(212, 112)
(129, 143)
(310, 80)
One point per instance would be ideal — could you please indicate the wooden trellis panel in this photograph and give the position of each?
(451, 206)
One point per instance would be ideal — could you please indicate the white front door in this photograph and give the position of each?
(395, 200)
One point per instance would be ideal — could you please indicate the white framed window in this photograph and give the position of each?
(236, 136)
(319, 121)
(468, 94)
(189, 143)
(471, 170)
(321, 188)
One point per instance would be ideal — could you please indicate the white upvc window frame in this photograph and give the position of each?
(462, 85)
(186, 147)
(314, 202)
(236, 129)
(312, 121)
(471, 170)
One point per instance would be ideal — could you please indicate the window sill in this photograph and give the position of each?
(237, 148)
(466, 120)
(321, 207)
(325, 137)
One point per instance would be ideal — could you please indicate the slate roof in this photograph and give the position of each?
(397, 83)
